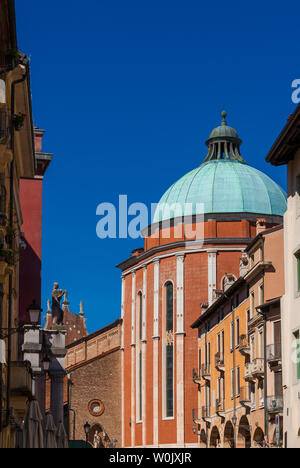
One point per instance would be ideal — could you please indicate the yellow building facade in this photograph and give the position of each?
(239, 355)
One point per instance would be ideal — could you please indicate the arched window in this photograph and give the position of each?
(140, 315)
(169, 352)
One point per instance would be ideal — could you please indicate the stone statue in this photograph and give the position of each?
(97, 440)
(57, 312)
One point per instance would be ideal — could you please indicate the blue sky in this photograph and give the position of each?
(128, 93)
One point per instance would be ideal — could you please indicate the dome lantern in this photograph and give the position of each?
(224, 143)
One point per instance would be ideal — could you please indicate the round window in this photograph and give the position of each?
(96, 408)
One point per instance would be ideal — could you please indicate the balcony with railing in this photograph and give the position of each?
(206, 413)
(196, 376)
(273, 353)
(249, 377)
(219, 362)
(245, 399)
(220, 408)
(275, 404)
(258, 368)
(244, 345)
(205, 372)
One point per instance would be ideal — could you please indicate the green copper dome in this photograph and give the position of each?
(224, 183)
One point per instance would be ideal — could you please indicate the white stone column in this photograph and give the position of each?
(212, 273)
(57, 397)
(57, 373)
(144, 350)
(133, 375)
(156, 355)
(122, 362)
(179, 354)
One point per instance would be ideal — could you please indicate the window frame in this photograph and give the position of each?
(165, 409)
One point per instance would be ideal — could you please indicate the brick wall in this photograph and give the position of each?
(93, 364)
(99, 379)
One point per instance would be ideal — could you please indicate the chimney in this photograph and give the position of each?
(38, 139)
(42, 159)
(261, 225)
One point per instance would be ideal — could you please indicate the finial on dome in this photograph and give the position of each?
(81, 308)
(224, 143)
(224, 115)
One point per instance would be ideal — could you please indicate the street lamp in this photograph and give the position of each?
(86, 428)
(234, 422)
(34, 313)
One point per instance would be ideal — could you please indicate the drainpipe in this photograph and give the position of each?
(70, 383)
(10, 243)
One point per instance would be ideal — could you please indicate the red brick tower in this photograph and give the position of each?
(31, 193)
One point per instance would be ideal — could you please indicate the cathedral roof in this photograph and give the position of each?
(223, 183)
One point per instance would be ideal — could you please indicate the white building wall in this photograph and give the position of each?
(291, 309)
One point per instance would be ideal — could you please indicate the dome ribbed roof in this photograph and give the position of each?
(224, 131)
(224, 183)
(223, 186)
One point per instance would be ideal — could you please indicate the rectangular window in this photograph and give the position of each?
(237, 331)
(253, 395)
(298, 271)
(252, 304)
(218, 343)
(261, 294)
(141, 315)
(261, 343)
(247, 320)
(232, 335)
(252, 347)
(200, 358)
(232, 384)
(261, 390)
(169, 353)
(222, 344)
(297, 338)
(238, 381)
(298, 196)
(219, 390)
